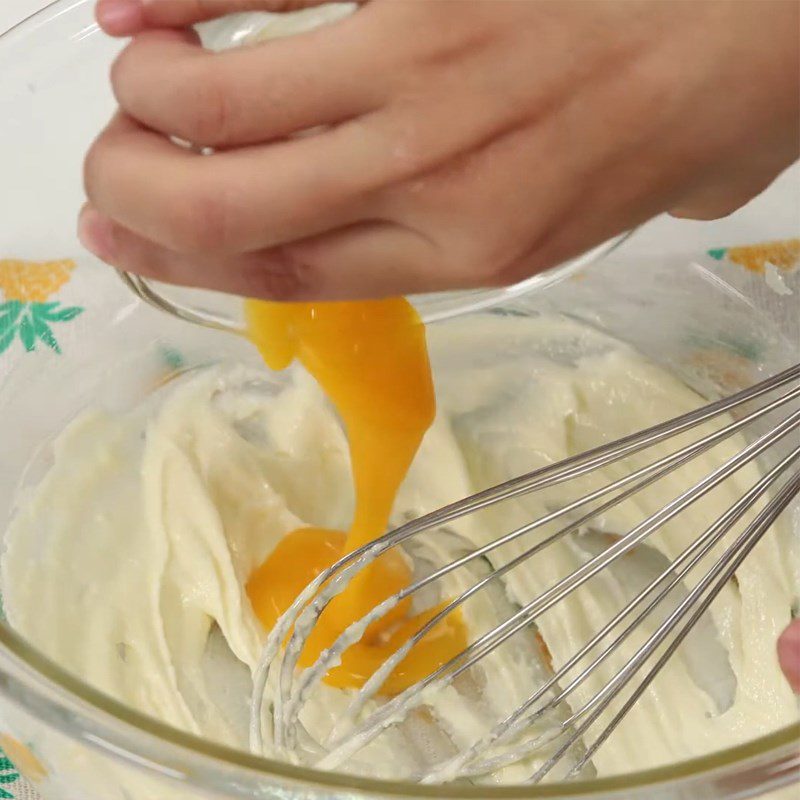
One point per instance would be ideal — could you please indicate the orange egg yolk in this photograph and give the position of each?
(371, 360)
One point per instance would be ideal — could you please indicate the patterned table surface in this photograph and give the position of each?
(12, 785)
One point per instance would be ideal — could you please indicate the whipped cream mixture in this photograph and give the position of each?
(128, 563)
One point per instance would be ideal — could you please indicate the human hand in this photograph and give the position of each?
(456, 144)
(789, 654)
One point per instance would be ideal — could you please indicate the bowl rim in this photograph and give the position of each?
(59, 699)
(49, 693)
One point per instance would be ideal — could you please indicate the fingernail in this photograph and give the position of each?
(120, 17)
(96, 232)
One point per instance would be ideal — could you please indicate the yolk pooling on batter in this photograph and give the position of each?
(371, 360)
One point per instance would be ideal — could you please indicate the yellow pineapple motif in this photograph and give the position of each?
(783, 255)
(25, 311)
(24, 760)
(32, 282)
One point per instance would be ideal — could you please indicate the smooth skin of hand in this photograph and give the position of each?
(789, 654)
(455, 143)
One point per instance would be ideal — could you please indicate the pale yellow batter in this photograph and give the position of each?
(127, 564)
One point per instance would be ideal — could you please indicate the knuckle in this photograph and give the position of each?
(407, 158)
(193, 98)
(410, 154)
(210, 108)
(284, 276)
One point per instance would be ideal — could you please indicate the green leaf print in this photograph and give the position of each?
(8, 775)
(32, 323)
(27, 334)
(52, 313)
(172, 357)
(43, 332)
(9, 313)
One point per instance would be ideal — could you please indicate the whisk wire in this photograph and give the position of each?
(352, 732)
(693, 555)
(658, 470)
(487, 643)
(725, 568)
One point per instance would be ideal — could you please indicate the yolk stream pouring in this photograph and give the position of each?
(371, 360)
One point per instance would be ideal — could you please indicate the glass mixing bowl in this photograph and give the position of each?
(715, 324)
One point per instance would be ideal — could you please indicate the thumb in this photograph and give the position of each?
(129, 17)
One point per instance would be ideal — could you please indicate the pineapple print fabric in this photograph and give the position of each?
(27, 313)
(12, 785)
(756, 258)
(8, 777)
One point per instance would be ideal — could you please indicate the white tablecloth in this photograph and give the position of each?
(12, 11)
(11, 785)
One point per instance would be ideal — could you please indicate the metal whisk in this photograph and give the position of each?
(578, 705)
(670, 611)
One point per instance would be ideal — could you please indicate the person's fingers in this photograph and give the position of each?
(248, 95)
(234, 201)
(129, 17)
(789, 654)
(368, 260)
(120, 17)
(717, 199)
(272, 275)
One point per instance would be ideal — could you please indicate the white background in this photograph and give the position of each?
(12, 11)
(774, 215)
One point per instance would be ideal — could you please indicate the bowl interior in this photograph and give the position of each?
(714, 323)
